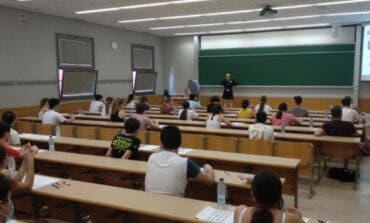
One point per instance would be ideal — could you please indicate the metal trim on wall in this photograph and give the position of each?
(40, 82)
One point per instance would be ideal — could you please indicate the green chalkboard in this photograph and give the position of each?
(320, 65)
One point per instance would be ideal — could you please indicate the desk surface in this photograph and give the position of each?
(230, 132)
(196, 153)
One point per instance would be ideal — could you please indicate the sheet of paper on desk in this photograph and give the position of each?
(40, 181)
(35, 136)
(214, 215)
(183, 151)
(148, 148)
(237, 124)
(162, 126)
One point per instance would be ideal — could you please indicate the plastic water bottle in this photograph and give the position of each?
(326, 114)
(221, 194)
(51, 144)
(11, 165)
(79, 111)
(174, 112)
(282, 128)
(311, 122)
(57, 131)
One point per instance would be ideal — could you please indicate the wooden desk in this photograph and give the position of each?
(113, 204)
(285, 167)
(131, 174)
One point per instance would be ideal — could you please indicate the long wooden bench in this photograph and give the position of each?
(246, 163)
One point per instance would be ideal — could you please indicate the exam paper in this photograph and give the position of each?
(148, 148)
(40, 181)
(35, 136)
(183, 151)
(214, 215)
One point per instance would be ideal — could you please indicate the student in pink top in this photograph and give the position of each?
(282, 116)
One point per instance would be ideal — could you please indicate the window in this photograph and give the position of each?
(143, 72)
(77, 77)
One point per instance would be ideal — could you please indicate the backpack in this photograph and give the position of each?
(342, 174)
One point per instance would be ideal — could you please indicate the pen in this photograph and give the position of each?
(55, 186)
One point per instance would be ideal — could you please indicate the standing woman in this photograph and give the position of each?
(228, 95)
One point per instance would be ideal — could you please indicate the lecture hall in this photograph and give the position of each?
(194, 111)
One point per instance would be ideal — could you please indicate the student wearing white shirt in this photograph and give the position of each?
(52, 116)
(193, 102)
(98, 105)
(260, 130)
(44, 107)
(349, 114)
(9, 117)
(263, 106)
(186, 113)
(215, 119)
(168, 173)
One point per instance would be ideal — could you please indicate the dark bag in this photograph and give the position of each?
(366, 149)
(342, 174)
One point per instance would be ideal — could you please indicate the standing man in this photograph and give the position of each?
(192, 88)
(228, 95)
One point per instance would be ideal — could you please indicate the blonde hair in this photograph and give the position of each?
(117, 105)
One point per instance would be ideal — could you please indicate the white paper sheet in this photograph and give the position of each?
(35, 136)
(214, 215)
(238, 124)
(148, 148)
(162, 126)
(183, 151)
(40, 181)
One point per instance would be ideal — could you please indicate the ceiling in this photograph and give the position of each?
(67, 8)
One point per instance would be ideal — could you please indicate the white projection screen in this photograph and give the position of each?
(365, 58)
(77, 84)
(144, 83)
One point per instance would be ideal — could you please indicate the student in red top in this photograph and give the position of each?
(282, 116)
(337, 127)
(4, 138)
(26, 171)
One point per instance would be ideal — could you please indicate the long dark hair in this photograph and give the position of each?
(282, 107)
(266, 190)
(130, 98)
(184, 113)
(217, 109)
(262, 103)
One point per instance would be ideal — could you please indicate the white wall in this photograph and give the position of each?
(179, 53)
(28, 53)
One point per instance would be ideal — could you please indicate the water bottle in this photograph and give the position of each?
(79, 111)
(51, 144)
(11, 165)
(174, 112)
(282, 128)
(311, 122)
(57, 131)
(326, 114)
(221, 194)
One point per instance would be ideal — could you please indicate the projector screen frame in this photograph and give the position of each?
(77, 97)
(362, 51)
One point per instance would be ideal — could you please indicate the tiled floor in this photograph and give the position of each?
(338, 202)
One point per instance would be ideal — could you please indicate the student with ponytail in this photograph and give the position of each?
(282, 116)
(263, 106)
(267, 193)
(186, 113)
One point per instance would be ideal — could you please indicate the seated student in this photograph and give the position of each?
(6, 205)
(337, 127)
(131, 101)
(4, 138)
(166, 106)
(267, 194)
(44, 107)
(215, 119)
(186, 113)
(193, 101)
(117, 114)
(349, 114)
(23, 178)
(260, 130)
(213, 100)
(282, 116)
(168, 173)
(298, 111)
(98, 104)
(145, 122)
(126, 145)
(245, 112)
(52, 116)
(166, 94)
(262, 106)
(9, 117)
(144, 99)
(108, 105)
